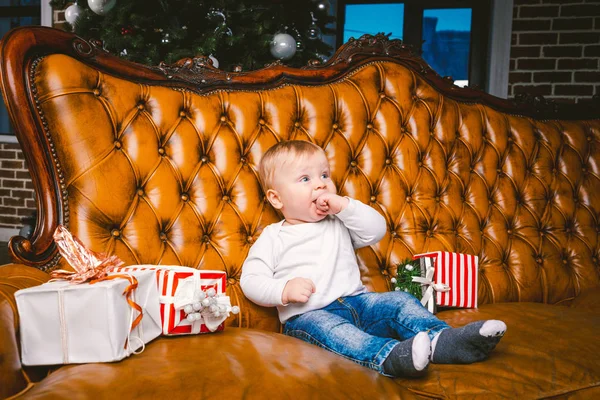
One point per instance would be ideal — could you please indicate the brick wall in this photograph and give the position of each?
(16, 190)
(555, 50)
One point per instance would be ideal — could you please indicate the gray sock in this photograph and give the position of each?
(469, 344)
(410, 357)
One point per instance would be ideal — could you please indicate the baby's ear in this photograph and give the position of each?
(274, 199)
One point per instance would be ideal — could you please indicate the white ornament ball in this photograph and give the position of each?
(191, 317)
(201, 295)
(101, 7)
(213, 309)
(205, 303)
(197, 306)
(72, 13)
(283, 46)
(188, 309)
(211, 292)
(235, 309)
(214, 61)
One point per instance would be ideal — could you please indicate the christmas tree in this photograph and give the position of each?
(246, 33)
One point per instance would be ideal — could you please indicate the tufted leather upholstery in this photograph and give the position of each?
(142, 163)
(166, 176)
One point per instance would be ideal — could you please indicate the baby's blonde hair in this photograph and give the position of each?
(275, 157)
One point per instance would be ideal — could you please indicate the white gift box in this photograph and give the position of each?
(66, 323)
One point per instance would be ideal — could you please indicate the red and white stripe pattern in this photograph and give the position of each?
(174, 321)
(459, 271)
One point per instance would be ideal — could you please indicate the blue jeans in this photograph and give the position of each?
(365, 328)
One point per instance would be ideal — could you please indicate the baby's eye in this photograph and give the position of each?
(324, 175)
(304, 179)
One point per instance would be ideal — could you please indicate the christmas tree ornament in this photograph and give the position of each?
(211, 292)
(165, 39)
(283, 46)
(214, 60)
(101, 7)
(323, 6)
(72, 13)
(126, 30)
(313, 32)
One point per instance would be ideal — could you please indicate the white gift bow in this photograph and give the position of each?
(438, 287)
(188, 290)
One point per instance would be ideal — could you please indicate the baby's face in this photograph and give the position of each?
(299, 183)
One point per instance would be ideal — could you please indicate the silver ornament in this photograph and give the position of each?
(313, 32)
(235, 309)
(283, 46)
(197, 306)
(72, 13)
(101, 7)
(211, 292)
(188, 309)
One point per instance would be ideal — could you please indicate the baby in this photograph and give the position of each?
(305, 265)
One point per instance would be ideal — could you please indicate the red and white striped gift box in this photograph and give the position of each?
(174, 321)
(459, 272)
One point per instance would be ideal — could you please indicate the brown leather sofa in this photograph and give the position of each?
(158, 165)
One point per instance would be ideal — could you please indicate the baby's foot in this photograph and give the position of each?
(469, 344)
(410, 357)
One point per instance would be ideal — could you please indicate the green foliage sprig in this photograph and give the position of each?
(406, 270)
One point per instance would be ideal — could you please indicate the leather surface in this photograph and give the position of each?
(12, 278)
(164, 176)
(233, 364)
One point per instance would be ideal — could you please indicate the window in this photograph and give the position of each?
(451, 34)
(15, 13)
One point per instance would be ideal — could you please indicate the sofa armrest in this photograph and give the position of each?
(12, 278)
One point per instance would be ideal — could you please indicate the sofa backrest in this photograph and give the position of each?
(158, 165)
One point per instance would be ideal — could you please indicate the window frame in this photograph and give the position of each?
(45, 13)
(480, 44)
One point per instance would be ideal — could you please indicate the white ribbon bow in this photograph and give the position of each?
(431, 286)
(189, 292)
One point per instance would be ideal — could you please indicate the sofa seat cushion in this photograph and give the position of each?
(547, 351)
(233, 364)
(588, 300)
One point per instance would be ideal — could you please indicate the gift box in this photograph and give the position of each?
(66, 323)
(450, 279)
(192, 301)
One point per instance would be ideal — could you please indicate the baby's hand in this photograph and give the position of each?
(297, 290)
(331, 203)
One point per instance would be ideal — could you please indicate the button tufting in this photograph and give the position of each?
(185, 197)
(437, 199)
(232, 281)
(369, 126)
(203, 159)
(394, 234)
(408, 199)
(182, 113)
(140, 192)
(509, 231)
(260, 121)
(225, 198)
(205, 238)
(140, 106)
(429, 233)
(335, 126)
(565, 261)
(584, 169)
(382, 95)
(161, 151)
(96, 92)
(373, 198)
(250, 239)
(162, 236)
(595, 259)
(223, 118)
(297, 124)
(420, 164)
(115, 233)
(388, 161)
(539, 260)
(243, 160)
(118, 144)
(353, 163)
